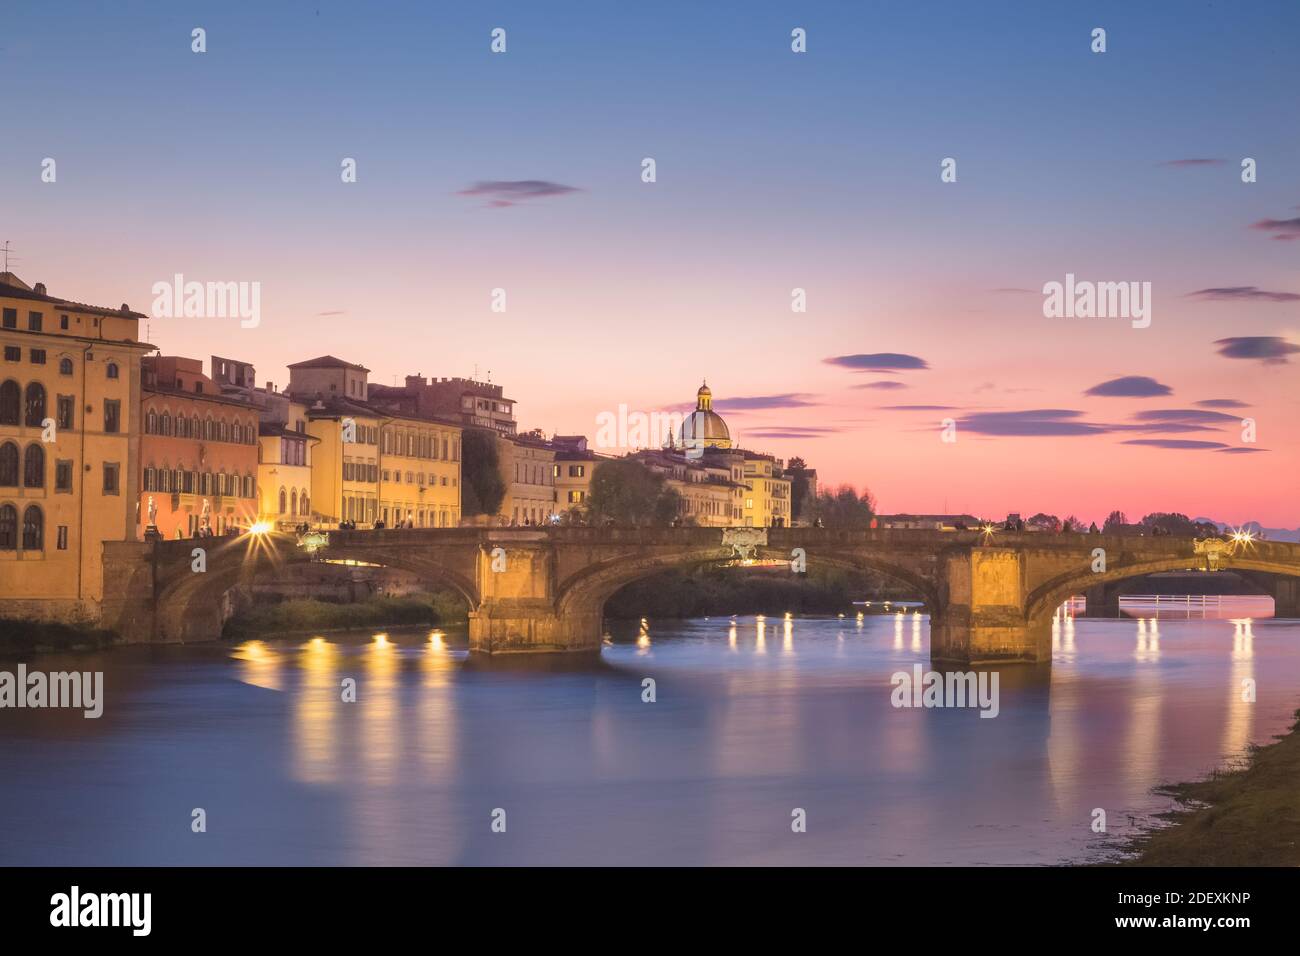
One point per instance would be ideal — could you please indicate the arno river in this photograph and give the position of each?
(752, 719)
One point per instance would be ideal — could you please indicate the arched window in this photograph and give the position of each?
(34, 467)
(35, 405)
(284, 500)
(110, 370)
(8, 528)
(33, 529)
(293, 502)
(9, 402)
(150, 479)
(164, 424)
(151, 423)
(303, 509)
(196, 427)
(9, 465)
(65, 366)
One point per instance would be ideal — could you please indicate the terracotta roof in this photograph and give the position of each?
(328, 361)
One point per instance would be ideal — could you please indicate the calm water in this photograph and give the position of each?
(753, 718)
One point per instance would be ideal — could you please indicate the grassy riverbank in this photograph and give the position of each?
(304, 616)
(24, 638)
(1244, 817)
(715, 591)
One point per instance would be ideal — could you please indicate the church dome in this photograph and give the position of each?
(705, 427)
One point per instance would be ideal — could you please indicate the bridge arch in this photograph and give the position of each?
(189, 605)
(584, 594)
(1042, 602)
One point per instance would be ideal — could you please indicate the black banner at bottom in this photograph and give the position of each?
(335, 905)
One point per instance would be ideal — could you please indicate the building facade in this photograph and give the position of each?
(528, 467)
(198, 453)
(372, 462)
(70, 378)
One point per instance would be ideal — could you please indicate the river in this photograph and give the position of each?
(752, 720)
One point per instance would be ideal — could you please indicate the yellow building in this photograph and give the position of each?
(710, 495)
(370, 464)
(767, 502)
(284, 460)
(528, 466)
(419, 473)
(69, 448)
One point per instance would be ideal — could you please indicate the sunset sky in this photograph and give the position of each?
(775, 170)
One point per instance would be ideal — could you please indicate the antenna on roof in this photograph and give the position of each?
(6, 251)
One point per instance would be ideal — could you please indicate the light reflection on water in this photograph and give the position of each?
(754, 717)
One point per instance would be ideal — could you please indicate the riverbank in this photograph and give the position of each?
(1243, 817)
(23, 638)
(312, 616)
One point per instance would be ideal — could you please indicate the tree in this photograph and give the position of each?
(626, 492)
(1072, 523)
(482, 486)
(1114, 520)
(1173, 523)
(1044, 522)
(801, 499)
(845, 508)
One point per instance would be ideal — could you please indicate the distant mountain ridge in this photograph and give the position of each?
(1269, 534)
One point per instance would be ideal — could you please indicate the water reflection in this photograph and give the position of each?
(591, 773)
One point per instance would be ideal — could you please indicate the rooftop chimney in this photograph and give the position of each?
(39, 288)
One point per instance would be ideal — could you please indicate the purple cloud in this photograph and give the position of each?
(792, 432)
(1185, 416)
(1175, 443)
(1269, 349)
(1248, 293)
(1222, 403)
(919, 408)
(1031, 422)
(512, 192)
(749, 403)
(878, 362)
(1241, 451)
(1130, 386)
(1283, 229)
(881, 385)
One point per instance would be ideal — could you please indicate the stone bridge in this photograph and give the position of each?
(990, 596)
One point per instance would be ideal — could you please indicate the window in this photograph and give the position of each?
(13, 353)
(11, 318)
(110, 478)
(8, 528)
(575, 497)
(63, 475)
(34, 467)
(577, 471)
(35, 405)
(284, 502)
(66, 406)
(63, 531)
(33, 321)
(110, 370)
(9, 465)
(63, 322)
(112, 416)
(37, 356)
(9, 403)
(65, 366)
(33, 529)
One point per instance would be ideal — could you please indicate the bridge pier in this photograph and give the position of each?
(531, 627)
(1102, 601)
(983, 620)
(1286, 597)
